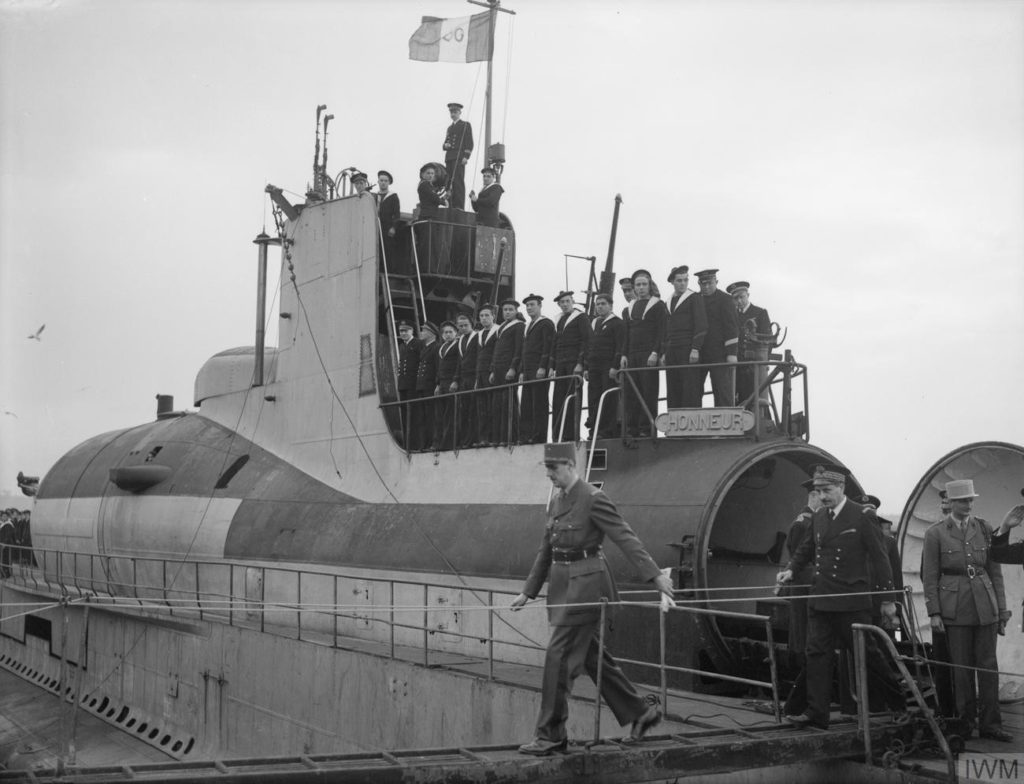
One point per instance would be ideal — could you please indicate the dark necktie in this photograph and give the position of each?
(831, 515)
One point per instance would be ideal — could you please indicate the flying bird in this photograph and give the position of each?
(10, 413)
(38, 332)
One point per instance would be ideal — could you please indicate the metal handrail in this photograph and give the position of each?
(597, 428)
(216, 606)
(863, 706)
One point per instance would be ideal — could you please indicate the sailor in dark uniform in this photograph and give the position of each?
(850, 561)
(569, 358)
(458, 144)
(607, 344)
(752, 319)
(466, 404)
(361, 183)
(720, 344)
(431, 196)
(645, 336)
(537, 337)
(426, 381)
(628, 295)
(508, 354)
(486, 339)
(685, 329)
(447, 381)
(389, 213)
(486, 203)
(571, 561)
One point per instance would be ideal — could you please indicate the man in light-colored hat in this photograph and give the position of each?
(850, 561)
(579, 518)
(963, 591)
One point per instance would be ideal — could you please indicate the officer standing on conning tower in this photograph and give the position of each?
(458, 144)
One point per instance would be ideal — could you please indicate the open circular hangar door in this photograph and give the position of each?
(997, 470)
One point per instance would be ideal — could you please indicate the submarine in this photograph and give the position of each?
(226, 578)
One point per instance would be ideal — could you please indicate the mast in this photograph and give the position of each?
(492, 6)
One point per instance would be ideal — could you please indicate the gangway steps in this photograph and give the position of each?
(685, 753)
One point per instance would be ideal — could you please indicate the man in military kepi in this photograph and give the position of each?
(571, 561)
(720, 343)
(964, 596)
(537, 338)
(458, 144)
(752, 321)
(850, 563)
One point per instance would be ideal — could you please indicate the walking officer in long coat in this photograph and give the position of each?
(964, 596)
(571, 561)
(850, 563)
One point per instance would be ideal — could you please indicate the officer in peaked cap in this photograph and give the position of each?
(965, 598)
(579, 518)
(626, 284)
(458, 145)
(538, 336)
(409, 348)
(360, 182)
(426, 381)
(796, 702)
(722, 338)
(850, 563)
(753, 320)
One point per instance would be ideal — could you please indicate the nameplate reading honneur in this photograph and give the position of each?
(698, 422)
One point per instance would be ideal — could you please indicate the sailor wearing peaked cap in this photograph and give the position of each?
(850, 564)
(721, 341)
(458, 144)
(868, 500)
(571, 560)
(734, 288)
(964, 596)
(431, 327)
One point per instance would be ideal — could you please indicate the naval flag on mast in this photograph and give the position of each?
(463, 40)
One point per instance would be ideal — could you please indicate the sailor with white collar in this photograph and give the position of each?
(645, 337)
(569, 358)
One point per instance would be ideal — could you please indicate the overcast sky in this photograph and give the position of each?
(861, 163)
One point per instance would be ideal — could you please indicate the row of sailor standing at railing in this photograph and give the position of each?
(552, 358)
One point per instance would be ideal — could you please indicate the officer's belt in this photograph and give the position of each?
(574, 554)
(970, 571)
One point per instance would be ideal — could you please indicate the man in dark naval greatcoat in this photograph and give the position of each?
(569, 358)
(850, 562)
(753, 319)
(408, 365)
(571, 561)
(458, 144)
(720, 344)
(685, 329)
(426, 380)
(537, 337)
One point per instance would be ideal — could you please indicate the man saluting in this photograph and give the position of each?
(570, 559)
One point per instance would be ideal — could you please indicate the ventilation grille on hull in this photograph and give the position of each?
(129, 719)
